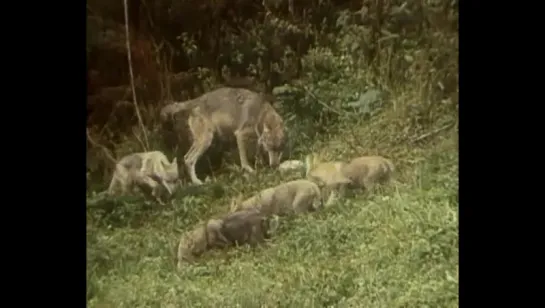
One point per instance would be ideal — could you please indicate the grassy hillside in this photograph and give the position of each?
(397, 247)
(380, 80)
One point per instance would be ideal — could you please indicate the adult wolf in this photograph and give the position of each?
(229, 112)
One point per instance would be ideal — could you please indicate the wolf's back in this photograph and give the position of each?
(132, 161)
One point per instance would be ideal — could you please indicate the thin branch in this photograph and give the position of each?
(426, 135)
(138, 138)
(129, 58)
(320, 102)
(104, 149)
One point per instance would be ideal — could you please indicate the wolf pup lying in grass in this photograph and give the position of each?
(243, 227)
(226, 112)
(362, 172)
(287, 198)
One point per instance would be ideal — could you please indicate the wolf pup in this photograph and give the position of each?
(226, 112)
(336, 176)
(366, 171)
(243, 227)
(292, 197)
(328, 175)
(147, 170)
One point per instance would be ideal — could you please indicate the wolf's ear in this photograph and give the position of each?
(235, 203)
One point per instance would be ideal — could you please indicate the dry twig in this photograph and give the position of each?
(140, 122)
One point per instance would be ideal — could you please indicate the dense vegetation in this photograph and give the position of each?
(350, 78)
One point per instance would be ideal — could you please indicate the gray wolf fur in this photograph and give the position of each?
(149, 171)
(292, 197)
(243, 227)
(367, 171)
(361, 172)
(146, 169)
(229, 112)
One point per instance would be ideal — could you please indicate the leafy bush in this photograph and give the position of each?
(350, 80)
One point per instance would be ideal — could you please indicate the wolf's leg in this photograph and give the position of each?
(191, 158)
(342, 190)
(160, 179)
(120, 179)
(189, 164)
(368, 184)
(271, 225)
(241, 135)
(165, 185)
(155, 190)
(145, 184)
(203, 135)
(113, 184)
(332, 198)
(257, 235)
(332, 190)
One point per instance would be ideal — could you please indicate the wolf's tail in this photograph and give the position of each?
(174, 119)
(168, 111)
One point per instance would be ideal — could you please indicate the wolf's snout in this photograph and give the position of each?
(274, 159)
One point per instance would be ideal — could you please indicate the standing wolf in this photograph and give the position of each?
(292, 197)
(227, 112)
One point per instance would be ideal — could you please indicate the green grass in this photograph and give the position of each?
(397, 247)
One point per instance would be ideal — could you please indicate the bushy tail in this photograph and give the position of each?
(168, 111)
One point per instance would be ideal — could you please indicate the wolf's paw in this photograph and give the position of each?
(197, 182)
(249, 169)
